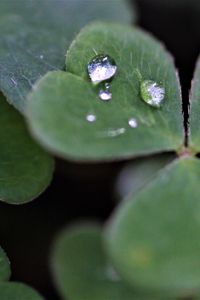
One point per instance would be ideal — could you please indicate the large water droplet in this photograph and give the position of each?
(133, 123)
(91, 118)
(105, 95)
(152, 93)
(101, 68)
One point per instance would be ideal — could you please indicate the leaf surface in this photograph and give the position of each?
(17, 291)
(135, 175)
(82, 271)
(26, 170)
(194, 121)
(153, 240)
(4, 266)
(61, 101)
(34, 36)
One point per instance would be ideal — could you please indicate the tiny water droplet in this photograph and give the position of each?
(107, 86)
(41, 56)
(13, 81)
(152, 93)
(91, 118)
(116, 132)
(101, 68)
(105, 95)
(133, 123)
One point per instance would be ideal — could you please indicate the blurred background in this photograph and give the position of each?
(86, 191)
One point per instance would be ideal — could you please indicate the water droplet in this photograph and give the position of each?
(101, 68)
(152, 93)
(91, 118)
(133, 123)
(107, 86)
(41, 56)
(105, 95)
(116, 132)
(13, 81)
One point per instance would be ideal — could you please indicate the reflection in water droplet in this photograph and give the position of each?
(133, 123)
(107, 86)
(152, 93)
(101, 68)
(91, 118)
(13, 81)
(105, 95)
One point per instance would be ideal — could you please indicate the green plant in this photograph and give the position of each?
(149, 249)
(13, 290)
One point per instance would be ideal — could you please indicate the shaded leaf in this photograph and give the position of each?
(135, 175)
(153, 239)
(60, 102)
(26, 170)
(81, 269)
(4, 266)
(17, 291)
(34, 36)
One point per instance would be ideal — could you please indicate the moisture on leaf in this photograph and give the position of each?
(125, 126)
(34, 36)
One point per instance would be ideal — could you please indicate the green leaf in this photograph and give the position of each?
(153, 239)
(26, 170)
(194, 122)
(81, 269)
(5, 271)
(34, 36)
(17, 291)
(135, 175)
(60, 101)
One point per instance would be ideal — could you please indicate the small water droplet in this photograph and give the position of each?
(41, 56)
(91, 118)
(107, 86)
(13, 81)
(101, 68)
(116, 132)
(133, 123)
(152, 93)
(105, 95)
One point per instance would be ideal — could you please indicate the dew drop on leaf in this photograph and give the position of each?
(101, 68)
(107, 85)
(133, 123)
(105, 95)
(152, 93)
(91, 118)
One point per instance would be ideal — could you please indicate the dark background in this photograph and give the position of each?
(86, 191)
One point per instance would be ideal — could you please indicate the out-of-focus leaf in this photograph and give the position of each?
(26, 170)
(153, 238)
